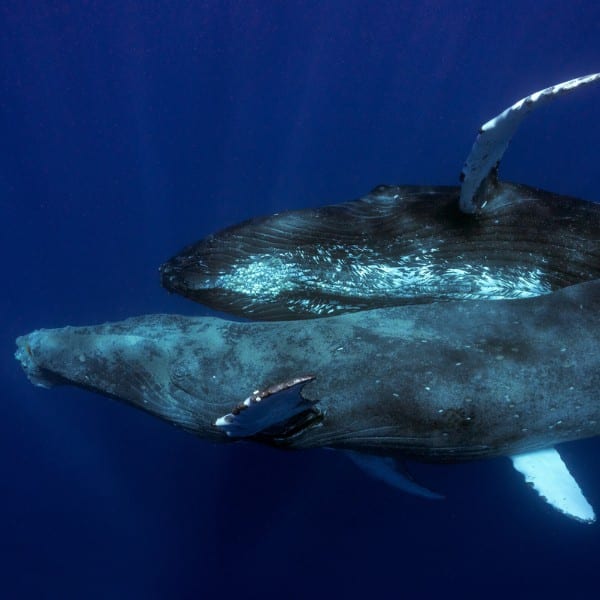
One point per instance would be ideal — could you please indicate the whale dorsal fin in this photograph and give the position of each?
(550, 477)
(276, 411)
(481, 165)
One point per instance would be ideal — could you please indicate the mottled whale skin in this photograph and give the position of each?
(397, 245)
(440, 382)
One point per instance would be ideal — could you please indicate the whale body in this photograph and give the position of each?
(443, 382)
(400, 245)
(397, 245)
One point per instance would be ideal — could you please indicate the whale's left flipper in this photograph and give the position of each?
(550, 477)
(494, 137)
(392, 472)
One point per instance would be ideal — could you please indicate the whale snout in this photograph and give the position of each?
(24, 355)
(182, 274)
(31, 352)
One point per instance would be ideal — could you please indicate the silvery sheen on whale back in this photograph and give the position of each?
(507, 365)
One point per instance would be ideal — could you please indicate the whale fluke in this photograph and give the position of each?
(494, 137)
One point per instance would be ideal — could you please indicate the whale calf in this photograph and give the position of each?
(443, 382)
(397, 245)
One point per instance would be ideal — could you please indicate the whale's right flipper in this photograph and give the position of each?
(495, 135)
(550, 477)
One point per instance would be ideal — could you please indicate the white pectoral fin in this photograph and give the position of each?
(390, 471)
(495, 135)
(550, 477)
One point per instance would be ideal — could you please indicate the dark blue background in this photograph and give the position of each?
(128, 129)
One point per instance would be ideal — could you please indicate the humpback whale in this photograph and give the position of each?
(397, 245)
(457, 324)
(443, 382)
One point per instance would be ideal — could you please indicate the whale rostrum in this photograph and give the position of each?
(441, 382)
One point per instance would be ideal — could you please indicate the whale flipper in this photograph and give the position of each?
(276, 411)
(391, 471)
(495, 135)
(547, 473)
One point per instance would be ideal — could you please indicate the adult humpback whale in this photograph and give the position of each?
(441, 382)
(458, 380)
(402, 244)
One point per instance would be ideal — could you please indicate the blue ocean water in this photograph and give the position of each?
(129, 129)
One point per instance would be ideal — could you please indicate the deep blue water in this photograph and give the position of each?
(129, 129)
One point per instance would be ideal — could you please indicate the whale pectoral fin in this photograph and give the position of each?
(277, 411)
(392, 472)
(550, 477)
(494, 136)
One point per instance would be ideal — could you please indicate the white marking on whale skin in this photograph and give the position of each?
(264, 278)
(495, 135)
